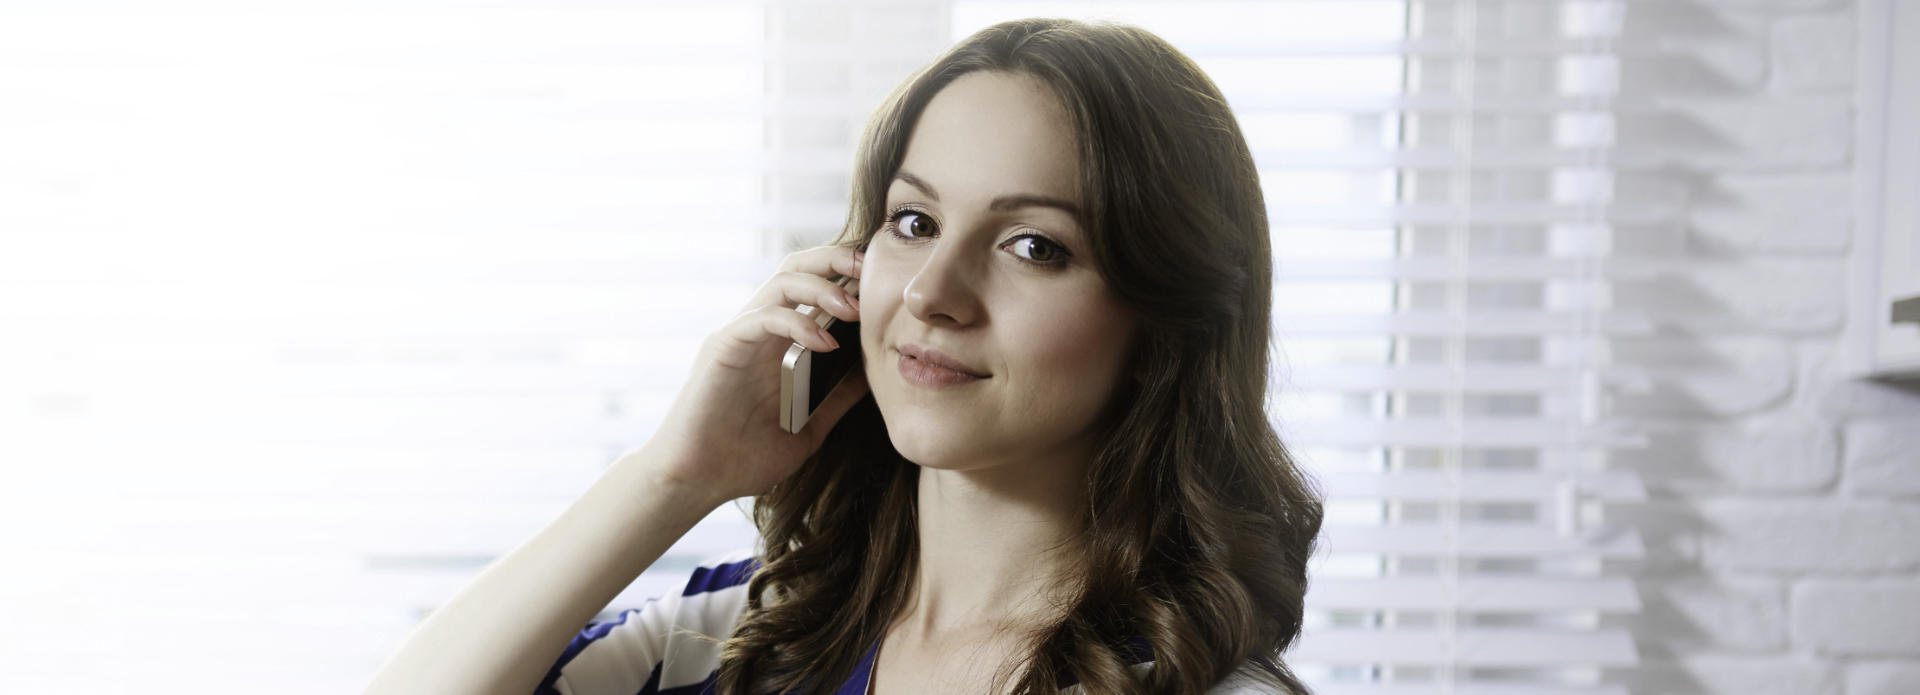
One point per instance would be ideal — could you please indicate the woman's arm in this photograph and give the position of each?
(503, 631)
(720, 440)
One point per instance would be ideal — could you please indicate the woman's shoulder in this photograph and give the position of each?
(673, 640)
(722, 572)
(1245, 681)
(715, 595)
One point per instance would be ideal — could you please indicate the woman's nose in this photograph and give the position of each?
(943, 290)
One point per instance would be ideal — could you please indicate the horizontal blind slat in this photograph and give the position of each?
(1479, 486)
(1436, 431)
(1475, 539)
(1472, 647)
(1465, 688)
(1471, 379)
(1609, 594)
(1476, 323)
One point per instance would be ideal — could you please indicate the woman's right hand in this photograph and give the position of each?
(722, 437)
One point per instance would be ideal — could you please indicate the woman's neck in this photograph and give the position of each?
(998, 549)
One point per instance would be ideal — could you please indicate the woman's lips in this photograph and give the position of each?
(927, 374)
(939, 359)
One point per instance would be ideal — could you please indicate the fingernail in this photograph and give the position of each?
(855, 301)
(824, 335)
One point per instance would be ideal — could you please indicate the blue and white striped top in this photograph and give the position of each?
(671, 645)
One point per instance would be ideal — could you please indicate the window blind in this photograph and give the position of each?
(312, 312)
(1439, 179)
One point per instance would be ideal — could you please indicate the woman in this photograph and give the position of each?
(1055, 469)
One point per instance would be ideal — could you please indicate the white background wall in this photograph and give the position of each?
(1783, 531)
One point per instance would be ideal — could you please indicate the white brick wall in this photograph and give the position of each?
(1883, 678)
(1783, 529)
(1853, 617)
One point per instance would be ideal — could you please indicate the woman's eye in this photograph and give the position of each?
(1038, 250)
(913, 224)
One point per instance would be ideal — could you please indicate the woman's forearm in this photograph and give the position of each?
(504, 630)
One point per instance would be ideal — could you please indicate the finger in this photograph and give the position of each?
(824, 261)
(771, 322)
(794, 289)
(843, 398)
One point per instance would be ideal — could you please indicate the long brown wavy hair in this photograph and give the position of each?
(1198, 523)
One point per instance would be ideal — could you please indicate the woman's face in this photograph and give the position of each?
(979, 261)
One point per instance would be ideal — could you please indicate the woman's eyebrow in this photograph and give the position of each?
(1001, 204)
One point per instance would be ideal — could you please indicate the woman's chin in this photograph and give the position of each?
(945, 450)
(925, 456)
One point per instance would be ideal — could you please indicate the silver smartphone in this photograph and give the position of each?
(806, 377)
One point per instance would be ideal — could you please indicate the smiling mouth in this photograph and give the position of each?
(926, 373)
(935, 357)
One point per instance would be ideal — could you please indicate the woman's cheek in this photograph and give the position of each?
(1086, 339)
(879, 299)
(1063, 335)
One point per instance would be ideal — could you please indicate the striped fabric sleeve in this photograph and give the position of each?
(670, 645)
